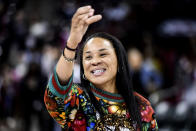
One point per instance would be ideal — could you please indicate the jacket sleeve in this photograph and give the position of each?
(153, 124)
(61, 101)
(149, 122)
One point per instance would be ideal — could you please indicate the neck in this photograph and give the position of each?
(109, 87)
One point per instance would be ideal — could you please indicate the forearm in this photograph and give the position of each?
(64, 68)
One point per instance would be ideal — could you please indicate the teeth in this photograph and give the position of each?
(97, 72)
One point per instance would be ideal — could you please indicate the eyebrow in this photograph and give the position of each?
(103, 49)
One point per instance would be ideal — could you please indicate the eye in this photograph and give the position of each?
(88, 57)
(103, 54)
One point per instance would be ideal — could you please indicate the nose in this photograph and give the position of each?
(95, 61)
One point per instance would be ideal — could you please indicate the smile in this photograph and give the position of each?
(98, 72)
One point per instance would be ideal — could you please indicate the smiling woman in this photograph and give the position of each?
(100, 63)
(105, 99)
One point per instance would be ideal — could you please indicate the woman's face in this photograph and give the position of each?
(99, 61)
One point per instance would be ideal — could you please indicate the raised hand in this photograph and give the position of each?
(83, 17)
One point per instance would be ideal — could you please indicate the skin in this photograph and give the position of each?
(83, 17)
(99, 54)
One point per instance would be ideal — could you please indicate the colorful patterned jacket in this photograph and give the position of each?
(70, 106)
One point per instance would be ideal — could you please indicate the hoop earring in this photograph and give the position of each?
(84, 77)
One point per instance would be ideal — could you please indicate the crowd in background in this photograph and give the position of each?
(159, 36)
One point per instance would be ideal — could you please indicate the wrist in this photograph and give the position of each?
(69, 56)
(72, 44)
(70, 48)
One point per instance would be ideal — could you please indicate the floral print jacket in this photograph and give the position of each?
(70, 106)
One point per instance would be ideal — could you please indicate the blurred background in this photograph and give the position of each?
(159, 36)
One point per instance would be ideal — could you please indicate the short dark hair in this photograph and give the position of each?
(123, 78)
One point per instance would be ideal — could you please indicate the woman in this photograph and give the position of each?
(105, 99)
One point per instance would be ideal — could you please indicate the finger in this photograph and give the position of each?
(93, 19)
(82, 10)
(82, 18)
(89, 14)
